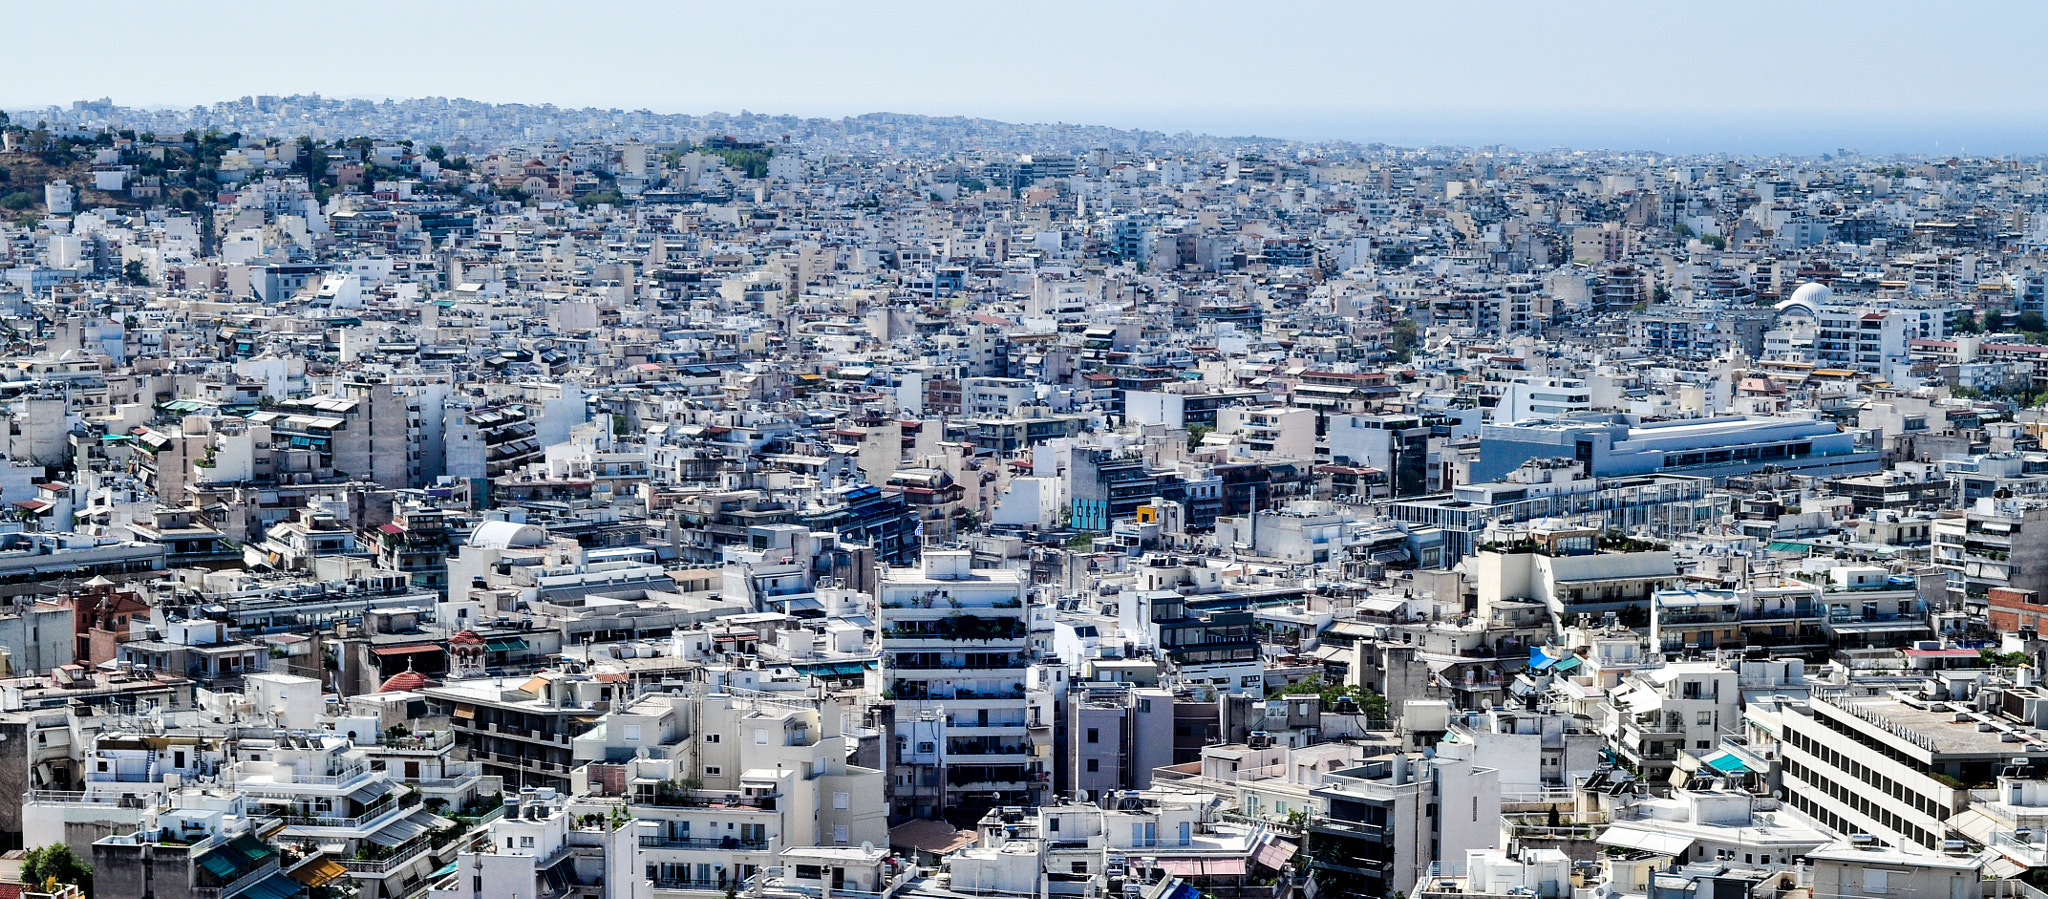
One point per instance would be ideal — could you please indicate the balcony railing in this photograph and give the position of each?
(701, 799)
(401, 855)
(1348, 829)
(728, 844)
(69, 797)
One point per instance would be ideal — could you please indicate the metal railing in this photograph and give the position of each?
(401, 855)
(729, 844)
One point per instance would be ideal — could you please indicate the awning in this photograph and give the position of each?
(505, 644)
(1974, 824)
(1646, 840)
(320, 873)
(1565, 664)
(368, 791)
(1202, 867)
(403, 829)
(1274, 854)
(831, 669)
(220, 865)
(1726, 763)
(251, 848)
(927, 835)
(465, 710)
(276, 886)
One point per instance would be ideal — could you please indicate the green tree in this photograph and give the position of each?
(1966, 322)
(2032, 322)
(55, 862)
(599, 196)
(1716, 241)
(1401, 344)
(436, 152)
(1372, 705)
(134, 274)
(1195, 435)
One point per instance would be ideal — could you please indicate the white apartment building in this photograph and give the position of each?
(721, 781)
(540, 850)
(956, 655)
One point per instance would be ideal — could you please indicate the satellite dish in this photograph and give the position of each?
(867, 846)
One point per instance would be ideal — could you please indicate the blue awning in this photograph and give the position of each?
(830, 669)
(1538, 661)
(276, 886)
(1726, 763)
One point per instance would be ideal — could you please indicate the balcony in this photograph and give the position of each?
(427, 741)
(1352, 830)
(273, 777)
(703, 799)
(377, 811)
(726, 844)
(386, 862)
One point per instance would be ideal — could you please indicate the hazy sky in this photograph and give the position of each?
(1876, 74)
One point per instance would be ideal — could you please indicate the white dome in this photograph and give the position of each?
(1813, 294)
(507, 534)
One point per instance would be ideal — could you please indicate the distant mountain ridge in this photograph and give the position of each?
(463, 123)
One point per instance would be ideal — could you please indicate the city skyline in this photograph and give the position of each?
(1743, 78)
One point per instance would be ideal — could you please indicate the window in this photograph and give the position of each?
(711, 770)
(760, 738)
(710, 738)
(841, 833)
(1094, 764)
(1705, 719)
(925, 746)
(841, 800)
(809, 872)
(1080, 867)
(1094, 735)
(526, 842)
(631, 732)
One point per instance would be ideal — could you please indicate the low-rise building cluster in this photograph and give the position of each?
(511, 504)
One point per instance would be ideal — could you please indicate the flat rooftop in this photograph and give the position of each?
(1937, 725)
